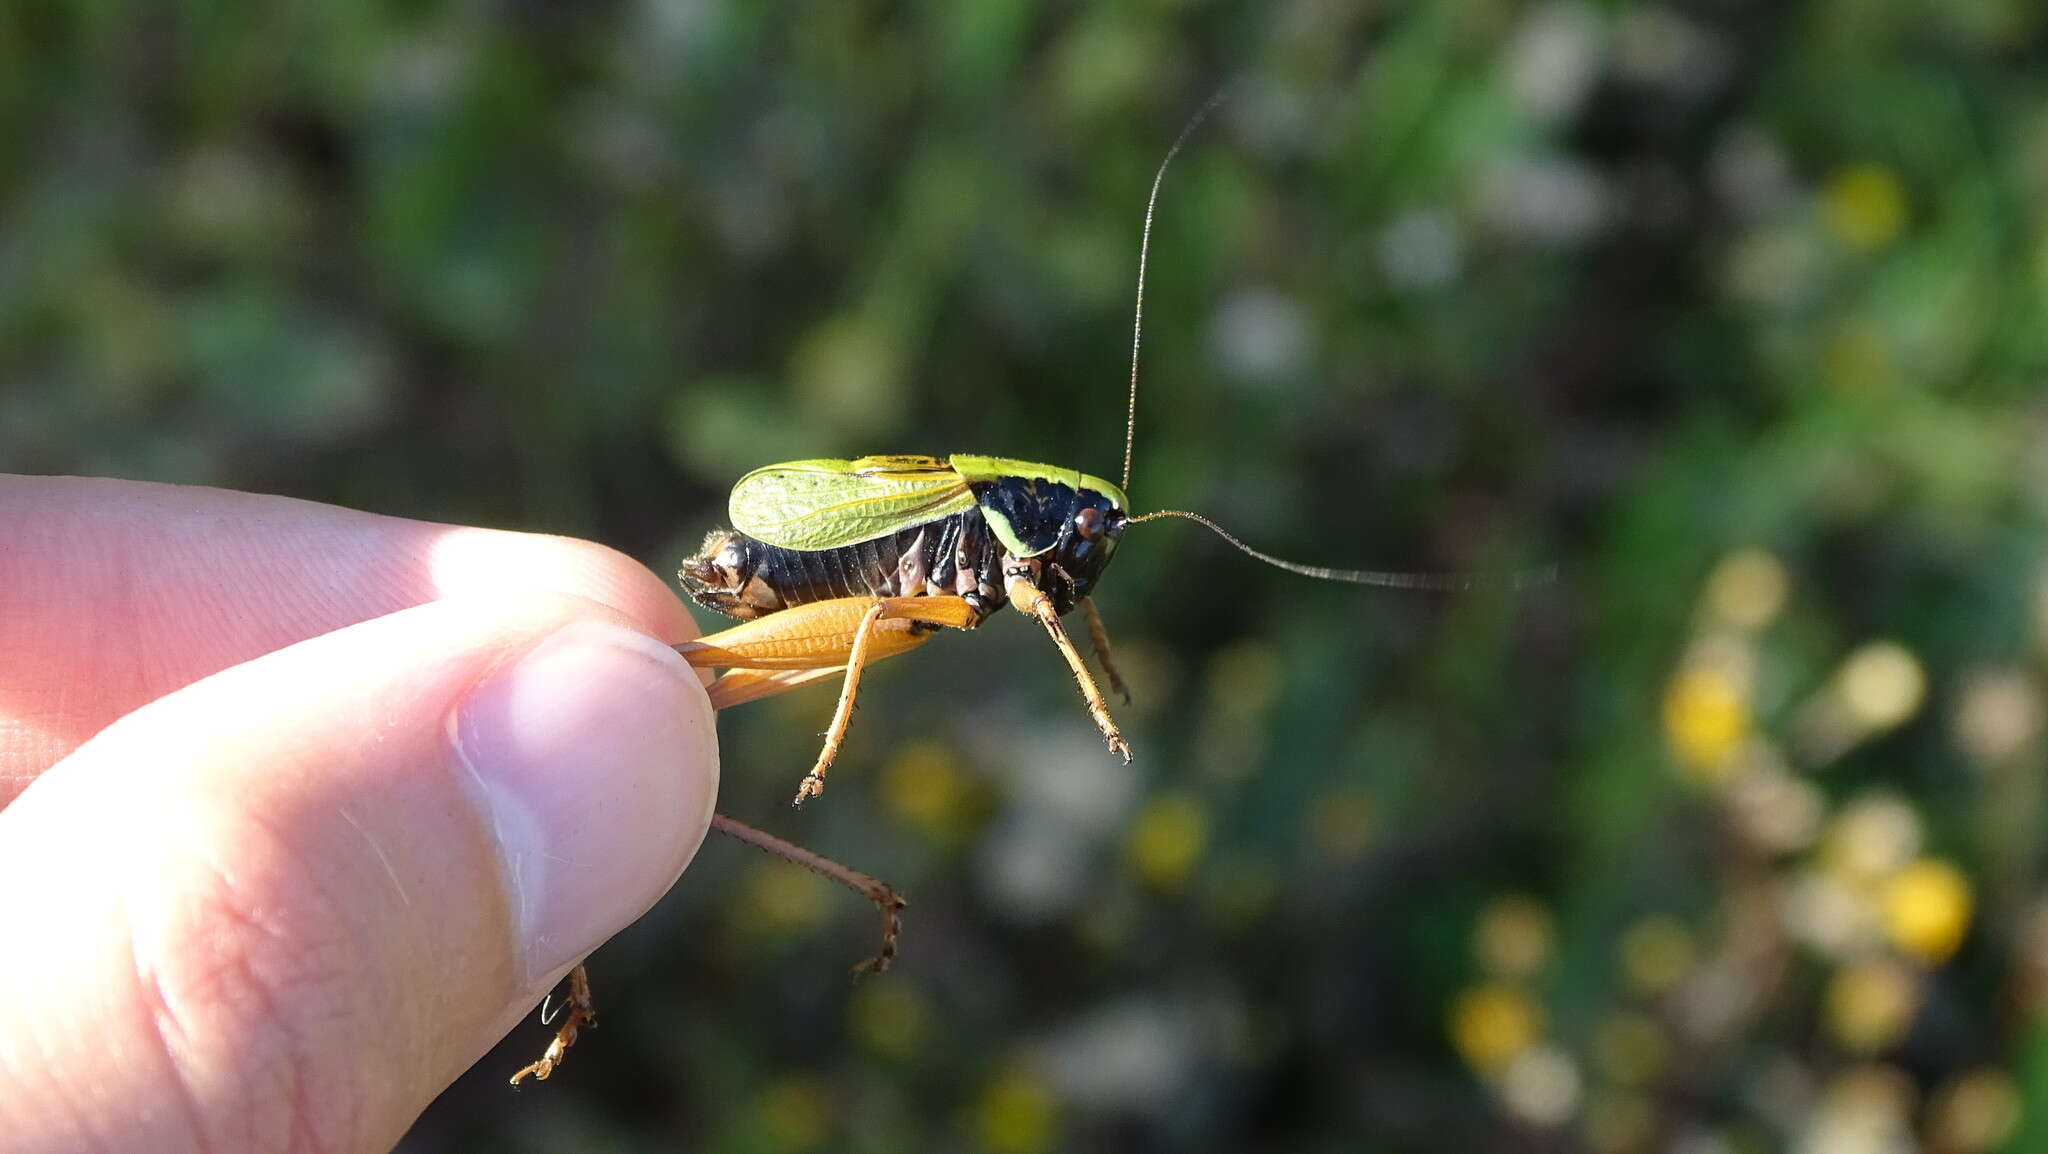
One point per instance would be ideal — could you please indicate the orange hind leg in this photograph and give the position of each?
(772, 655)
(807, 643)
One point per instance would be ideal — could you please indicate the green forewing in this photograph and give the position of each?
(826, 503)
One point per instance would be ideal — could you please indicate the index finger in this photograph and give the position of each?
(114, 593)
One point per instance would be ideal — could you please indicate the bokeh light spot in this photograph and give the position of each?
(1864, 207)
(1168, 839)
(1512, 937)
(1869, 1005)
(1706, 718)
(1491, 1024)
(1927, 910)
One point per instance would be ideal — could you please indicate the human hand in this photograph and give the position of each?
(305, 808)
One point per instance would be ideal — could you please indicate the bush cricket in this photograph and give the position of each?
(831, 565)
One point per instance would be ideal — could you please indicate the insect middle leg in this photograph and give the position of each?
(806, 642)
(813, 783)
(1098, 638)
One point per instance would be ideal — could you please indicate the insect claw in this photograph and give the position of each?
(1116, 682)
(812, 785)
(577, 1014)
(538, 1071)
(891, 904)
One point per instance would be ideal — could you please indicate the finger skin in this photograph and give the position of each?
(118, 592)
(268, 912)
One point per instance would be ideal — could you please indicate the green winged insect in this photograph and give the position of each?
(833, 564)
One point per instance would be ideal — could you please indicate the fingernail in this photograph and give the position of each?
(594, 761)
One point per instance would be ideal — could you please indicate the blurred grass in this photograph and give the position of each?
(1730, 840)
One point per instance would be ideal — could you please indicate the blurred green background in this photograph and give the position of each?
(1729, 840)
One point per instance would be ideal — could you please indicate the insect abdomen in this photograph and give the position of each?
(744, 577)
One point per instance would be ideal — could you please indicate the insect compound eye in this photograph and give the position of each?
(1088, 522)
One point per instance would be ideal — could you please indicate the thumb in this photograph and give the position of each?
(284, 907)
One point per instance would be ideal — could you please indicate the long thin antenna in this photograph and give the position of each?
(1145, 250)
(1386, 579)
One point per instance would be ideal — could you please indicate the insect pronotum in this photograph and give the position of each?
(831, 565)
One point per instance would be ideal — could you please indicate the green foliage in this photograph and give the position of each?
(1729, 840)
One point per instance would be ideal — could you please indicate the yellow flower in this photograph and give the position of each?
(922, 786)
(888, 1016)
(1869, 1005)
(1016, 1114)
(1864, 207)
(1512, 938)
(783, 898)
(1491, 1024)
(1706, 718)
(1656, 954)
(1927, 910)
(1167, 840)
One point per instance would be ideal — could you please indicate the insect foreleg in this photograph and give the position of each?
(1028, 598)
(1098, 639)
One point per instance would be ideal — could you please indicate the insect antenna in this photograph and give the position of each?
(1144, 251)
(1383, 578)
